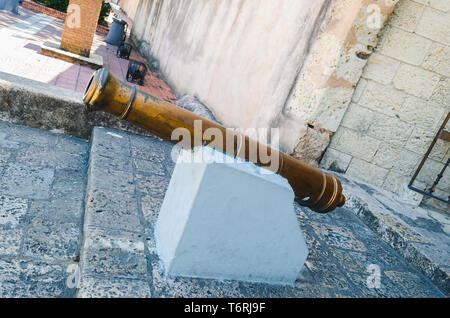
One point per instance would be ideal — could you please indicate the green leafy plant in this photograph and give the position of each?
(104, 13)
(61, 5)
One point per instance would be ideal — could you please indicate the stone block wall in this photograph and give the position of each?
(399, 104)
(326, 84)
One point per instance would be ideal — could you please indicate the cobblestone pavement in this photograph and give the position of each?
(50, 220)
(127, 180)
(23, 36)
(42, 189)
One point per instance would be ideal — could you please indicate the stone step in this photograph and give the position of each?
(127, 179)
(42, 190)
(421, 235)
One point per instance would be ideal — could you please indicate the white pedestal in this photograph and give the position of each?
(229, 221)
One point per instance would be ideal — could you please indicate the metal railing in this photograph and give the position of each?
(443, 135)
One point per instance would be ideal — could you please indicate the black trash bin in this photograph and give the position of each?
(116, 32)
(10, 5)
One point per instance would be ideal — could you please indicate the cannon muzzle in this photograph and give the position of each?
(313, 188)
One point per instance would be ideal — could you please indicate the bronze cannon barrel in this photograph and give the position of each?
(313, 188)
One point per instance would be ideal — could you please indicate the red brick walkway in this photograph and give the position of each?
(25, 59)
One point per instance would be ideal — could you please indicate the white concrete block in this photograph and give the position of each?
(227, 220)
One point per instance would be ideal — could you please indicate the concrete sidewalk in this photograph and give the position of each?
(22, 37)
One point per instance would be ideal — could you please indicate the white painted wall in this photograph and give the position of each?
(130, 7)
(240, 57)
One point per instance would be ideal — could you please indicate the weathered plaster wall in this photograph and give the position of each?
(399, 104)
(240, 57)
(130, 7)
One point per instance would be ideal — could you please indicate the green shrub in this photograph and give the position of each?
(61, 5)
(104, 13)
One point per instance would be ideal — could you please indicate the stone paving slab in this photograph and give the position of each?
(41, 237)
(36, 279)
(11, 18)
(114, 288)
(420, 234)
(119, 261)
(42, 189)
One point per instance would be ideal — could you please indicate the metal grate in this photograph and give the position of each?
(443, 135)
(124, 50)
(136, 72)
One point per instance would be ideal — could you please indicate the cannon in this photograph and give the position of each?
(313, 188)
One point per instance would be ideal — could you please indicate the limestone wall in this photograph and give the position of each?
(399, 104)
